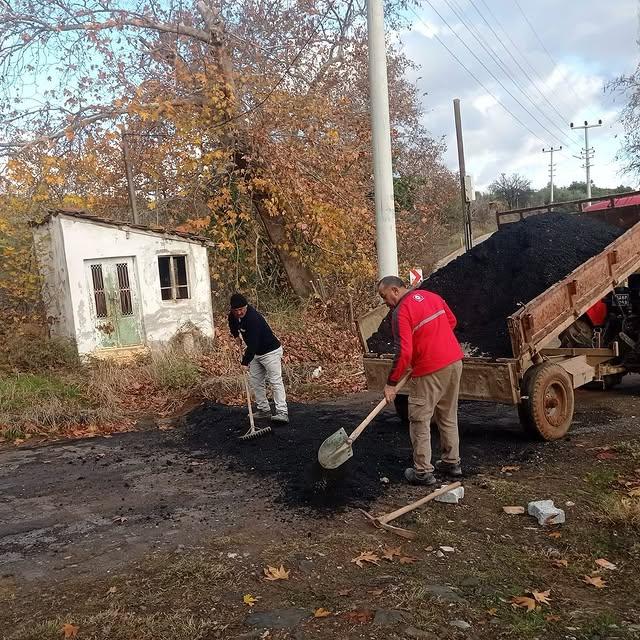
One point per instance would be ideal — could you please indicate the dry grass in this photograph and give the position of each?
(621, 511)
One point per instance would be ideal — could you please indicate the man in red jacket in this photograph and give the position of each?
(423, 335)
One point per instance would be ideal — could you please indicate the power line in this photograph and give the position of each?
(562, 116)
(493, 54)
(531, 115)
(498, 101)
(535, 33)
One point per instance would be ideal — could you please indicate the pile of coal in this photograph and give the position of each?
(486, 285)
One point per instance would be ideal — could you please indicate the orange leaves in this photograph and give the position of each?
(69, 630)
(366, 556)
(321, 613)
(532, 600)
(274, 573)
(595, 581)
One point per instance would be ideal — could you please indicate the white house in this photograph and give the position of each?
(114, 286)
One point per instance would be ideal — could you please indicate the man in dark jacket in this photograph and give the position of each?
(262, 356)
(424, 340)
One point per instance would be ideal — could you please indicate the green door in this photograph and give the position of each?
(115, 305)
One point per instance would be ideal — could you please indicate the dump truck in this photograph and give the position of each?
(556, 347)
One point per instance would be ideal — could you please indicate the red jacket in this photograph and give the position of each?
(423, 333)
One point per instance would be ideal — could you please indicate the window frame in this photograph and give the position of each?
(174, 286)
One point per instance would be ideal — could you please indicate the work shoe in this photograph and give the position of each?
(413, 477)
(262, 413)
(449, 469)
(280, 417)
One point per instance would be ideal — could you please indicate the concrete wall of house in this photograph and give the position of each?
(50, 254)
(161, 319)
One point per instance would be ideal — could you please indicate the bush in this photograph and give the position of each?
(170, 369)
(36, 353)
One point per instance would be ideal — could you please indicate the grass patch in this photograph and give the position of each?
(170, 369)
(628, 448)
(37, 353)
(601, 479)
(527, 625)
(621, 511)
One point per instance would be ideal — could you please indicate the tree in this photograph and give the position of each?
(514, 190)
(629, 86)
(247, 122)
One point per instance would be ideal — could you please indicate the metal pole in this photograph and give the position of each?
(587, 163)
(551, 168)
(461, 165)
(130, 186)
(381, 139)
(588, 153)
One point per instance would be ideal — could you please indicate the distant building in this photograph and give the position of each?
(114, 286)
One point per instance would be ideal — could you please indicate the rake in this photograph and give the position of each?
(253, 432)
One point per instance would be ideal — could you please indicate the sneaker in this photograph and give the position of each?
(282, 418)
(262, 413)
(449, 469)
(413, 477)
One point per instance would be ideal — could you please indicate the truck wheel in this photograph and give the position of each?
(547, 410)
(401, 403)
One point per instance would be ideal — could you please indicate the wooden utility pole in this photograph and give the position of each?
(130, 186)
(466, 204)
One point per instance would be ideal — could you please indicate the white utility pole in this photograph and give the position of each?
(551, 168)
(587, 151)
(381, 137)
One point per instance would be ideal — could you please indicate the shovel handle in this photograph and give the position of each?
(377, 409)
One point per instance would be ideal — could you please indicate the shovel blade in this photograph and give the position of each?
(335, 451)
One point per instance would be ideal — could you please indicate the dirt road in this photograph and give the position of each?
(173, 520)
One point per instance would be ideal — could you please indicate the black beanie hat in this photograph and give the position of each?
(238, 301)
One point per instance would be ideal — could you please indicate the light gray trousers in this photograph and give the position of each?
(268, 368)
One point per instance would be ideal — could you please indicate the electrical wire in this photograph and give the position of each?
(498, 101)
(531, 115)
(495, 56)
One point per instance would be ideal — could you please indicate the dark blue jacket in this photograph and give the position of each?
(255, 332)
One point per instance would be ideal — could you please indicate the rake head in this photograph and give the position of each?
(255, 433)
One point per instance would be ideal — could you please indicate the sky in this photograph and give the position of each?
(563, 65)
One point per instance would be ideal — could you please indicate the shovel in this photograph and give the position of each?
(337, 448)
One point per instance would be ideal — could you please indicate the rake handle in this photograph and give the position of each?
(385, 519)
(246, 388)
(377, 409)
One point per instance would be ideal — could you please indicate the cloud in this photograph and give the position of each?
(584, 49)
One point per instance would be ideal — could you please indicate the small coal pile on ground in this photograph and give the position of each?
(487, 284)
(290, 453)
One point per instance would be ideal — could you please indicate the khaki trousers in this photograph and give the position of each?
(435, 394)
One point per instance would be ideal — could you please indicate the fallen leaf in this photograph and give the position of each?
(560, 563)
(509, 469)
(321, 613)
(112, 590)
(250, 600)
(635, 492)
(555, 534)
(541, 596)
(376, 592)
(513, 511)
(389, 554)
(552, 618)
(366, 556)
(70, 630)
(595, 581)
(358, 616)
(492, 612)
(606, 455)
(407, 560)
(605, 564)
(345, 592)
(272, 573)
(523, 602)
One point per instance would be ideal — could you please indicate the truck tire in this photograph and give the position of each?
(547, 408)
(401, 403)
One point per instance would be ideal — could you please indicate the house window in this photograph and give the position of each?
(125, 289)
(99, 296)
(173, 277)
